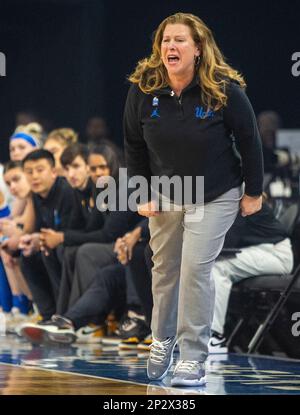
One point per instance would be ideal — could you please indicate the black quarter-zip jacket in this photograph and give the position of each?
(54, 211)
(103, 227)
(86, 219)
(260, 228)
(165, 135)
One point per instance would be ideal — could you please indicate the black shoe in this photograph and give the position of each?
(133, 331)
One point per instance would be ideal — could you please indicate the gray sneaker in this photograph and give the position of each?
(189, 373)
(160, 358)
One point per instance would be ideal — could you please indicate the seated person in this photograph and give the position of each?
(265, 249)
(134, 252)
(90, 258)
(25, 139)
(88, 249)
(86, 221)
(56, 142)
(85, 217)
(52, 203)
(12, 227)
(104, 160)
(84, 320)
(83, 168)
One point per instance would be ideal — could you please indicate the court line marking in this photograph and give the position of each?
(262, 356)
(83, 375)
(132, 382)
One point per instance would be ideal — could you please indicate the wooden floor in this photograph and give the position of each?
(100, 370)
(16, 380)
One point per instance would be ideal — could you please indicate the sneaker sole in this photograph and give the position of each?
(127, 346)
(166, 371)
(128, 352)
(186, 382)
(143, 348)
(40, 336)
(34, 335)
(111, 341)
(107, 348)
(88, 341)
(221, 350)
(11, 331)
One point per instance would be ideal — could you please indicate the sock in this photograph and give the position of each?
(21, 302)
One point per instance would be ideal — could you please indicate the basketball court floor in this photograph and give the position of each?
(103, 370)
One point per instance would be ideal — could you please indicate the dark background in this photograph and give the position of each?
(69, 59)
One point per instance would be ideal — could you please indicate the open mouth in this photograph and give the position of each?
(173, 59)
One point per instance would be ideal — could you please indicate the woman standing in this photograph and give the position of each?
(187, 115)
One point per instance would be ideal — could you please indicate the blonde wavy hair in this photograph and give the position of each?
(214, 73)
(64, 136)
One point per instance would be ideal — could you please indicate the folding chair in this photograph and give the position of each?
(282, 283)
(263, 329)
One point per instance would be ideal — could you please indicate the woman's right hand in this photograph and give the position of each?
(148, 209)
(29, 243)
(8, 227)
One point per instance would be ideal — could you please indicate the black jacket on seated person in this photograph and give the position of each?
(54, 211)
(41, 272)
(84, 207)
(102, 227)
(85, 216)
(260, 228)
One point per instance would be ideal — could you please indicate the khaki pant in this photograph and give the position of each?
(184, 251)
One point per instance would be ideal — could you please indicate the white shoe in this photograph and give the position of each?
(33, 318)
(4, 317)
(90, 334)
(58, 330)
(14, 320)
(217, 345)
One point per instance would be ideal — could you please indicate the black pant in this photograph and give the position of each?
(80, 267)
(67, 277)
(133, 299)
(106, 292)
(40, 284)
(53, 265)
(90, 259)
(140, 267)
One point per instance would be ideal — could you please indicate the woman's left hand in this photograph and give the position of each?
(250, 205)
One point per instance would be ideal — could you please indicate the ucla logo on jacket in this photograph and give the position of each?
(155, 103)
(201, 113)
